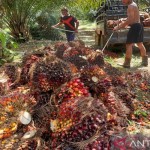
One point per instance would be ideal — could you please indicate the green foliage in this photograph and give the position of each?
(82, 9)
(141, 113)
(19, 13)
(41, 28)
(7, 43)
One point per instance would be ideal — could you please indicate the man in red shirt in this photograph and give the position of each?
(70, 22)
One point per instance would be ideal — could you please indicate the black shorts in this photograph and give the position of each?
(135, 34)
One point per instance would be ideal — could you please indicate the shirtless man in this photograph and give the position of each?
(135, 34)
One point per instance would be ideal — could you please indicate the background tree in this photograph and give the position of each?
(19, 13)
(82, 8)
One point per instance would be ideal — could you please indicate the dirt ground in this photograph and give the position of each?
(136, 67)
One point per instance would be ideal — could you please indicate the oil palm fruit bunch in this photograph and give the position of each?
(86, 51)
(72, 89)
(92, 114)
(49, 73)
(80, 132)
(59, 48)
(42, 111)
(30, 58)
(68, 110)
(102, 86)
(96, 58)
(110, 70)
(12, 105)
(118, 81)
(115, 106)
(90, 75)
(61, 125)
(68, 146)
(27, 144)
(11, 70)
(70, 52)
(127, 98)
(77, 60)
(103, 142)
(77, 43)
(73, 68)
(27, 63)
(110, 102)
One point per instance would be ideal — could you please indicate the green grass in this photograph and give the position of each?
(85, 24)
(135, 61)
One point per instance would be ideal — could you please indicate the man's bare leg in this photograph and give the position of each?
(128, 55)
(143, 54)
(142, 49)
(129, 50)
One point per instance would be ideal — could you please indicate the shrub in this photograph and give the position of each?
(41, 29)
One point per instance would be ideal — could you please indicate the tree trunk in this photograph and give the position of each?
(20, 31)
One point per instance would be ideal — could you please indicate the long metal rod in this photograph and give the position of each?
(63, 29)
(107, 41)
(76, 33)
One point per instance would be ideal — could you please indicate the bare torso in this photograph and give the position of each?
(133, 14)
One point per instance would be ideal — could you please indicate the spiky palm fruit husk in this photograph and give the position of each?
(127, 98)
(31, 144)
(70, 52)
(73, 68)
(110, 70)
(96, 58)
(77, 60)
(102, 142)
(12, 71)
(49, 73)
(86, 51)
(102, 86)
(137, 81)
(60, 47)
(77, 44)
(28, 60)
(47, 50)
(42, 111)
(26, 144)
(41, 52)
(118, 111)
(118, 81)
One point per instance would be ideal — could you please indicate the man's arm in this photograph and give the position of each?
(56, 25)
(129, 20)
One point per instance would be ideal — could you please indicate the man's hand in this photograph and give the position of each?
(116, 28)
(147, 19)
(76, 31)
(52, 26)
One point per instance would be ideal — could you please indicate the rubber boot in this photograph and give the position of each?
(145, 61)
(126, 63)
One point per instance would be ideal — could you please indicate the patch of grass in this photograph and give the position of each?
(17, 58)
(136, 61)
(111, 61)
(85, 24)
